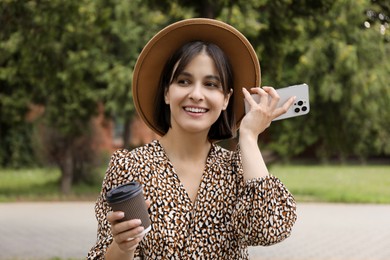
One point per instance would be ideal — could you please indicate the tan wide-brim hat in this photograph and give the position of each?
(157, 51)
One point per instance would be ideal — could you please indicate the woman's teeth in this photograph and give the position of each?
(195, 110)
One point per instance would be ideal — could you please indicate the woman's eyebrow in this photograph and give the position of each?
(213, 77)
(209, 77)
(183, 73)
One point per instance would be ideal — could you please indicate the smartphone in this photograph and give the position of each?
(301, 105)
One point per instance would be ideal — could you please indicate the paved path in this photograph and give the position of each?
(322, 232)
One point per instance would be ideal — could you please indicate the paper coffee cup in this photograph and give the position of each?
(129, 198)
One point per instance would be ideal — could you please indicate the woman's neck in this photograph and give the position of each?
(185, 147)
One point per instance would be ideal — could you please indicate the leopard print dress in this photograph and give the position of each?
(228, 215)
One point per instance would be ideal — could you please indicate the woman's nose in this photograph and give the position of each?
(196, 92)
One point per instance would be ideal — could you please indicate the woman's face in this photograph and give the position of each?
(196, 98)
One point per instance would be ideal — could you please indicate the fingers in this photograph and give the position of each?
(268, 97)
(130, 227)
(284, 108)
(127, 230)
(113, 217)
(123, 230)
(269, 101)
(274, 96)
(130, 244)
(127, 234)
(248, 97)
(264, 99)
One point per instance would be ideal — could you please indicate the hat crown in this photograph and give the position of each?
(157, 51)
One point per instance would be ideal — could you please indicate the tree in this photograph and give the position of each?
(69, 56)
(346, 65)
(55, 57)
(127, 26)
(15, 142)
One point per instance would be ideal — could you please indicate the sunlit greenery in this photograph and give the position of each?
(72, 57)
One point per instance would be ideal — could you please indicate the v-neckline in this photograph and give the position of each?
(180, 183)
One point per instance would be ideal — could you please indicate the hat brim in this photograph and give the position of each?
(157, 51)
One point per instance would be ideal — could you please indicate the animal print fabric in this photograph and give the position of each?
(227, 216)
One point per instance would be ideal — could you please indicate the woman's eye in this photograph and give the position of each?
(212, 84)
(183, 82)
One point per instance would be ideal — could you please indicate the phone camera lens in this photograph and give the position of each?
(304, 108)
(296, 110)
(300, 103)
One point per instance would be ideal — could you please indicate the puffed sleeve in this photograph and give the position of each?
(118, 172)
(266, 210)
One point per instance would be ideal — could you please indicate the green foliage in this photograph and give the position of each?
(347, 67)
(48, 58)
(70, 56)
(128, 25)
(17, 146)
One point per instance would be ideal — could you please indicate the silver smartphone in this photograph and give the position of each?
(301, 105)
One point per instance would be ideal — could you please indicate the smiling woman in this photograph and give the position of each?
(189, 86)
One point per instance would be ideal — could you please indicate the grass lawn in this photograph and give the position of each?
(41, 185)
(348, 184)
(308, 183)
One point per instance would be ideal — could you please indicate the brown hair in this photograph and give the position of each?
(224, 127)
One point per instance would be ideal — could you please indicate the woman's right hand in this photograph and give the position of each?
(127, 234)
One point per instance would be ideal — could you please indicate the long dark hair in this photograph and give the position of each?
(224, 127)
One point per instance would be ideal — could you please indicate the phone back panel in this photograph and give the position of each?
(301, 105)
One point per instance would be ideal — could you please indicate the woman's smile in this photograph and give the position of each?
(195, 110)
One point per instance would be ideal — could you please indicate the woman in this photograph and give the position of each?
(205, 202)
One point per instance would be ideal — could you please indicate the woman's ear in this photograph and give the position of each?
(227, 98)
(166, 98)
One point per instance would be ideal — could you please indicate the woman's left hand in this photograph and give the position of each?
(260, 115)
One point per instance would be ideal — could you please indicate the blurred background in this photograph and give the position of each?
(66, 74)
(66, 103)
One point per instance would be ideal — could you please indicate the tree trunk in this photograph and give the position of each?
(126, 133)
(66, 166)
(207, 9)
